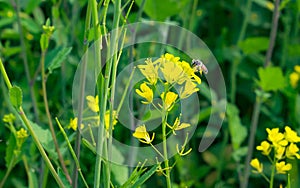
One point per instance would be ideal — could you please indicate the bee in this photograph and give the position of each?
(199, 66)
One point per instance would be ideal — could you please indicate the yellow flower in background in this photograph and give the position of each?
(265, 147)
(150, 71)
(297, 68)
(107, 119)
(292, 151)
(93, 103)
(279, 152)
(188, 89)
(291, 135)
(9, 118)
(73, 124)
(142, 134)
(257, 165)
(282, 168)
(22, 133)
(168, 100)
(294, 78)
(276, 137)
(145, 92)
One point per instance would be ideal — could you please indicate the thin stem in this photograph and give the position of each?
(272, 173)
(254, 122)
(125, 91)
(10, 167)
(157, 150)
(165, 149)
(236, 61)
(81, 93)
(44, 89)
(273, 33)
(25, 61)
(115, 46)
(72, 152)
(32, 133)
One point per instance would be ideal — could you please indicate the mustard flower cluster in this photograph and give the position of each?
(295, 76)
(282, 146)
(167, 71)
(93, 106)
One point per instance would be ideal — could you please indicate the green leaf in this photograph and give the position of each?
(271, 78)
(32, 179)
(45, 138)
(59, 58)
(238, 154)
(237, 131)
(266, 4)
(160, 10)
(120, 173)
(63, 178)
(145, 177)
(15, 96)
(9, 153)
(31, 25)
(254, 45)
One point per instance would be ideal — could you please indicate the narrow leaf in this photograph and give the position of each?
(59, 58)
(145, 177)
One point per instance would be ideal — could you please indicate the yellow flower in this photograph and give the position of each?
(257, 165)
(282, 168)
(150, 71)
(173, 73)
(294, 78)
(93, 103)
(276, 137)
(168, 99)
(270, 5)
(292, 151)
(142, 134)
(189, 72)
(279, 152)
(178, 126)
(107, 119)
(188, 89)
(265, 147)
(73, 124)
(297, 68)
(22, 133)
(145, 92)
(170, 57)
(9, 118)
(291, 135)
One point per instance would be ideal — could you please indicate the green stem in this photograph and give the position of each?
(72, 152)
(25, 61)
(254, 122)
(31, 131)
(165, 150)
(81, 92)
(45, 98)
(237, 60)
(10, 167)
(273, 33)
(114, 45)
(272, 174)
